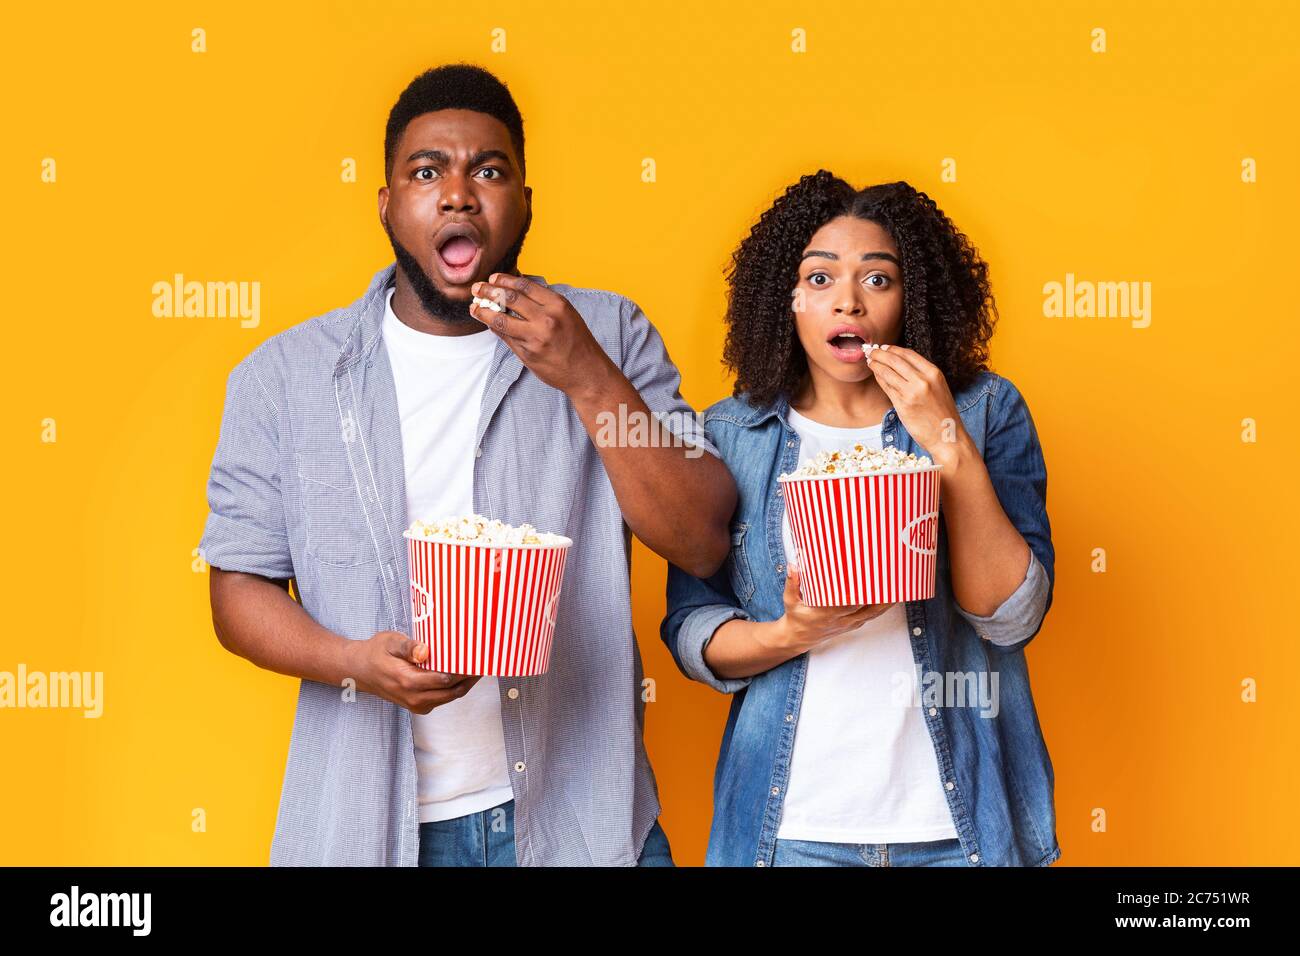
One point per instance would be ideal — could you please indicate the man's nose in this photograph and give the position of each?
(456, 195)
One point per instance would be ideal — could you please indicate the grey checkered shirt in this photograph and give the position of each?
(308, 482)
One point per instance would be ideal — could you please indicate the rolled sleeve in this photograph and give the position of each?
(696, 608)
(653, 374)
(1020, 614)
(696, 631)
(245, 529)
(1014, 458)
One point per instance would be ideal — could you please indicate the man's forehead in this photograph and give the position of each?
(464, 128)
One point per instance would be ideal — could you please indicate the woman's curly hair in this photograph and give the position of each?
(948, 308)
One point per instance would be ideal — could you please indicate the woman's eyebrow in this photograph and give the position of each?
(865, 256)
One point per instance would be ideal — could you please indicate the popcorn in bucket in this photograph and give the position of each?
(866, 526)
(484, 595)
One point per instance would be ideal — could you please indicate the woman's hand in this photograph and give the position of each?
(802, 628)
(921, 396)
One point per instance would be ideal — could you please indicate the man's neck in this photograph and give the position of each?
(411, 312)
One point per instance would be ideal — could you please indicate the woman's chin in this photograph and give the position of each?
(849, 374)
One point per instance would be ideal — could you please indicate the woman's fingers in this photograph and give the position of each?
(886, 374)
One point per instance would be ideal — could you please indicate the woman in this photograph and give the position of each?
(899, 734)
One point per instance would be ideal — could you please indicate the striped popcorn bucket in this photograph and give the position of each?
(485, 609)
(864, 539)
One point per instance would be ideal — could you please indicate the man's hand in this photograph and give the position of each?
(554, 342)
(544, 329)
(387, 665)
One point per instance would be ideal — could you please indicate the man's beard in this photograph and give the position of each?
(434, 302)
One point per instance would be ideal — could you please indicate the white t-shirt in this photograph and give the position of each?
(460, 751)
(863, 768)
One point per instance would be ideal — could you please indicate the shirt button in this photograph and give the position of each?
(513, 693)
(916, 631)
(478, 452)
(789, 444)
(780, 567)
(760, 863)
(779, 492)
(933, 711)
(947, 786)
(519, 767)
(974, 857)
(775, 791)
(789, 718)
(889, 438)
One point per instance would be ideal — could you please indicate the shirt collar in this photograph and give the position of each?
(368, 321)
(749, 415)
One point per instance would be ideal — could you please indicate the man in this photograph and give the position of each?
(419, 401)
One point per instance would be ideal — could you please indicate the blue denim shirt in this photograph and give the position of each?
(994, 765)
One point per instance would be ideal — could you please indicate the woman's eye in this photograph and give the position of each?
(884, 280)
(812, 279)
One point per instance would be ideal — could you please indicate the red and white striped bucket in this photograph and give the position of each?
(864, 539)
(485, 609)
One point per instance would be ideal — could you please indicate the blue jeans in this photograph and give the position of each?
(929, 853)
(487, 838)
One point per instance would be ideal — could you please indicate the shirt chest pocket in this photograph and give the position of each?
(336, 529)
(742, 582)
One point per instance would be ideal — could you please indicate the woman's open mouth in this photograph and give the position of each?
(458, 260)
(846, 345)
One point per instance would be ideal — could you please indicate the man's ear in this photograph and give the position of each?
(383, 206)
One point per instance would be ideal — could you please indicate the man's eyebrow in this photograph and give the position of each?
(889, 257)
(438, 156)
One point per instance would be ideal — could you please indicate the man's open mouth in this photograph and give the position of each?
(458, 252)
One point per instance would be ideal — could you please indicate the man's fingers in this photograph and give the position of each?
(399, 645)
(525, 289)
(422, 681)
(502, 323)
(424, 702)
(510, 294)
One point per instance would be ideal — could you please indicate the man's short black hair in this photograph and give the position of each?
(456, 86)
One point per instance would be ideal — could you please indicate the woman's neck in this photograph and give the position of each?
(841, 404)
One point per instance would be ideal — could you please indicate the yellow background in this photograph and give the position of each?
(225, 165)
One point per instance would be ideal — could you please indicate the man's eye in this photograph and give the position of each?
(491, 169)
(424, 169)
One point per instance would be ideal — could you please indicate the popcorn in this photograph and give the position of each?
(868, 346)
(475, 529)
(489, 304)
(860, 460)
